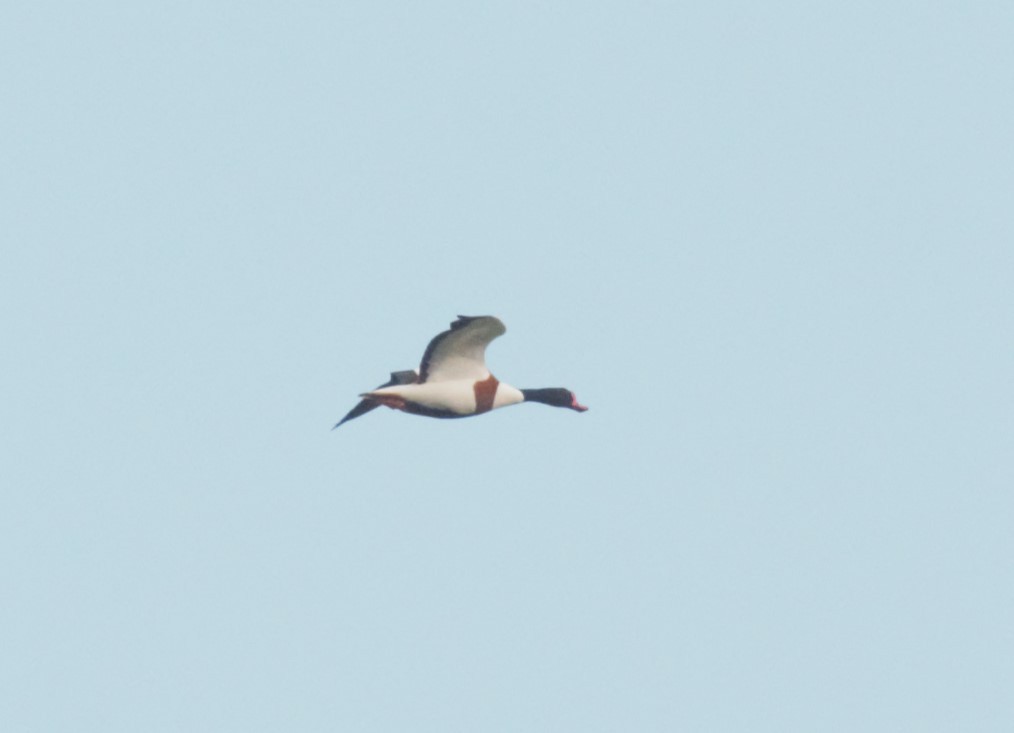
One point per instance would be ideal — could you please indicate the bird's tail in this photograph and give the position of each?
(365, 405)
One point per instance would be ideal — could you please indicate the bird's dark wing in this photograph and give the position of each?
(405, 377)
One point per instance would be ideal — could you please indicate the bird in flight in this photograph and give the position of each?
(453, 380)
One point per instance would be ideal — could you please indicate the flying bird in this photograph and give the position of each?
(453, 380)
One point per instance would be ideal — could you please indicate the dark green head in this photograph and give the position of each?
(554, 396)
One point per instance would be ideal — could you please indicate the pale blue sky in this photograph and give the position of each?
(769, 244)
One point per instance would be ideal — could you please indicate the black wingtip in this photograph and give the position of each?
(364, 406)
(351, 416)
(464, 321)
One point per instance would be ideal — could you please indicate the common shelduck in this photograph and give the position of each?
(453, 380)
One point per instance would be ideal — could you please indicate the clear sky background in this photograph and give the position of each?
(771, 245)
